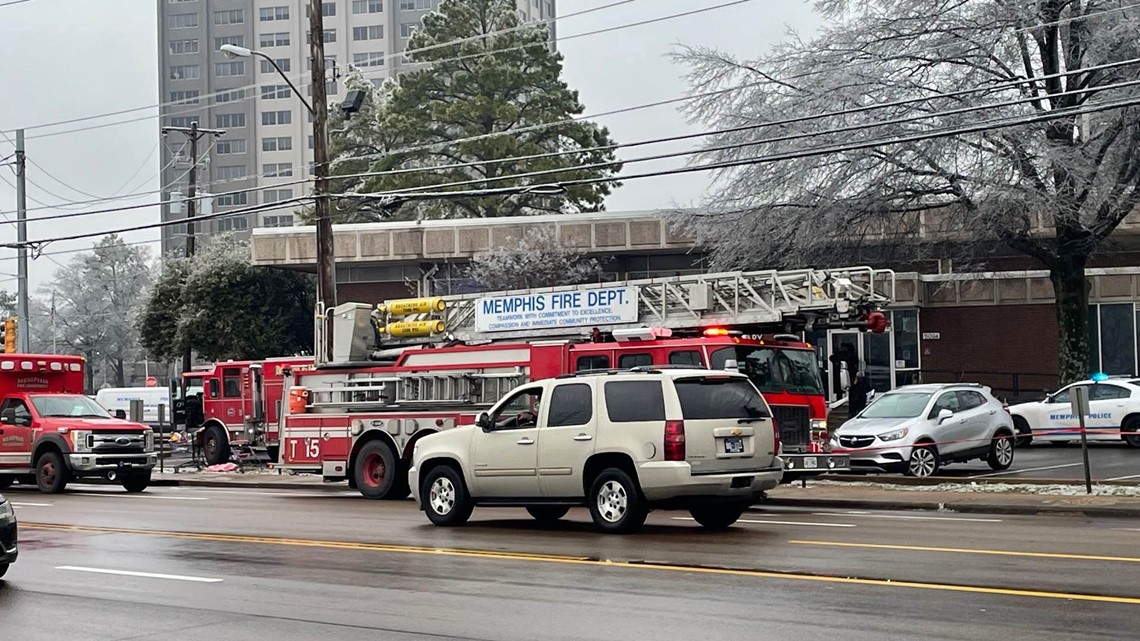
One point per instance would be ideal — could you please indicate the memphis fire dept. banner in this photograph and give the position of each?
(549, 310)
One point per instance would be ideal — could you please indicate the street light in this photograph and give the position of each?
(319, 109)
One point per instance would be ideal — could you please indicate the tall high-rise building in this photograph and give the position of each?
(268, 139)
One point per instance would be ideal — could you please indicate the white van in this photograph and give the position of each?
(119, 398)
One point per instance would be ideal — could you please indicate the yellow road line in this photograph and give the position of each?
(585, 561)
(923, 548)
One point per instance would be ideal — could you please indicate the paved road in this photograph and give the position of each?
(178, 563)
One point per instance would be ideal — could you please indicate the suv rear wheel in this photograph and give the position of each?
(445, 497)
(616, 504)
(718, 517)
(1001, 452)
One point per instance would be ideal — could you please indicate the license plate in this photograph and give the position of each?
(811, 461)
(733, 445)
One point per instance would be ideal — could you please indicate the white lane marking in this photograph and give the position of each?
(23, 504)
(1127, 529)
(766, 522)
(144, 575)
(1124, 478)
(145, 496)
(906, 518)
(1028, 469)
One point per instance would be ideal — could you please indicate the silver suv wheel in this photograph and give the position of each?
(1003, 451)
(612, 501)
(442, 496)
(923, 462)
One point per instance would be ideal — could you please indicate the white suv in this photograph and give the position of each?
(917, 429)
(621, 442)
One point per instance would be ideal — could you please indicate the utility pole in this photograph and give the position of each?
(326, 270)
(23, 327)
(53, 329)
(193, 134)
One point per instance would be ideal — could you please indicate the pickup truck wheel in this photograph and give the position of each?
(6, 482)
(215, 446)
(615, 502)
(51, 474)
(547, 513)
(717, 517)
(136, 482)
(446, 500)
(375, 470)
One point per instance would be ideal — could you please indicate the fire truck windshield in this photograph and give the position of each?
(68, 406)
(774, 370)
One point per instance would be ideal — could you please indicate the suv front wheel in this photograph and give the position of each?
(616, 504)
(923, 461)
(445, 497)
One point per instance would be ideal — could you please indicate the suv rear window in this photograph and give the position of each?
(711, 398)
(633, 401)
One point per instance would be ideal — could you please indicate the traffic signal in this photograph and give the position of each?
(10, 336)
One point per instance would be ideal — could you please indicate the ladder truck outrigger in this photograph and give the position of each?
(404, 369)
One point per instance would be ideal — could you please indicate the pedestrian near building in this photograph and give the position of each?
(857, 394)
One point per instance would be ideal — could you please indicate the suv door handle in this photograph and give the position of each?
(526, 440)
(583, 437)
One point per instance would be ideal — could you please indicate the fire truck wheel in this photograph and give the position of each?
(445, 497)
(6, 482)
(718, 517)
(137, 482)
(547, 513)
(51, 474)
(375, 470)
(616, 504)
(215, 446)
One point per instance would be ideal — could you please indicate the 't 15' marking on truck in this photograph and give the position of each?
(310, 448)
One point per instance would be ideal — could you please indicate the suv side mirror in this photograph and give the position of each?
(8, 416)
(484, 421)
(944, 414)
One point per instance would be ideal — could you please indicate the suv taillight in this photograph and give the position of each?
(775, 438)
(674, 440)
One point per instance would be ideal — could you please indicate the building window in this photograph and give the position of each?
(310, 142)
(232, 172)
(329, 35)
(234, 223)
(185, 72)
(229, 121)
(227, 147)
(367, 6)
(285, 220)
(277, 117)
(281, 143)
(283, 63)
(1112, 338)
(237, 41)
(231, 68)
(370, 59)
(327, 9)
(231, 96)
(233, 16)
(181, 47)
(183, 20)
(407, 29)
(269, 14)
(375, 32)
(231, 200)
(279, 39)
(277, 170)
(185, 97)
(183, 121)
(270, 196)
(414, 5)
(274, 92)
(904, 323)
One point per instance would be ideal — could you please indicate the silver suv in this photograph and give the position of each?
(917, 429)
(620, 442)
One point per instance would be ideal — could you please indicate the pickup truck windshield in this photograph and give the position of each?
(774, 370)
(64, 405)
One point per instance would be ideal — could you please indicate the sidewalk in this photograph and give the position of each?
(1007, 499)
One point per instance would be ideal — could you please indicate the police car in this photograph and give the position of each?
(1114, 413)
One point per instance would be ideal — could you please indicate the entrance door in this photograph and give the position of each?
(845, 353)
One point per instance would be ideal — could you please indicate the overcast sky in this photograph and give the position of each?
(66, 59)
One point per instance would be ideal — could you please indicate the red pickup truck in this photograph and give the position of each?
(51, 434)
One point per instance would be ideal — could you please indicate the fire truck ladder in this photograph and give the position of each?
(422, 390)
(798, 299)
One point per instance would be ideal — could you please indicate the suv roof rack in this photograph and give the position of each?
(639, 369)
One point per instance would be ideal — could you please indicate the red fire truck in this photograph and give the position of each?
(51, 434)
(414, 367)
(234, 401)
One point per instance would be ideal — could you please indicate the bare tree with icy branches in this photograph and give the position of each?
(1050, 177)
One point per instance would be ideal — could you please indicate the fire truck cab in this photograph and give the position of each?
(51, 434)
(234, 402)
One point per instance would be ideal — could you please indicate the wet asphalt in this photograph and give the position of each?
(230, 565)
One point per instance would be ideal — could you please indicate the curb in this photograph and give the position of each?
(964, 508)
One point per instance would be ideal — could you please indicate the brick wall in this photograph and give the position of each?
(1016, 344)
